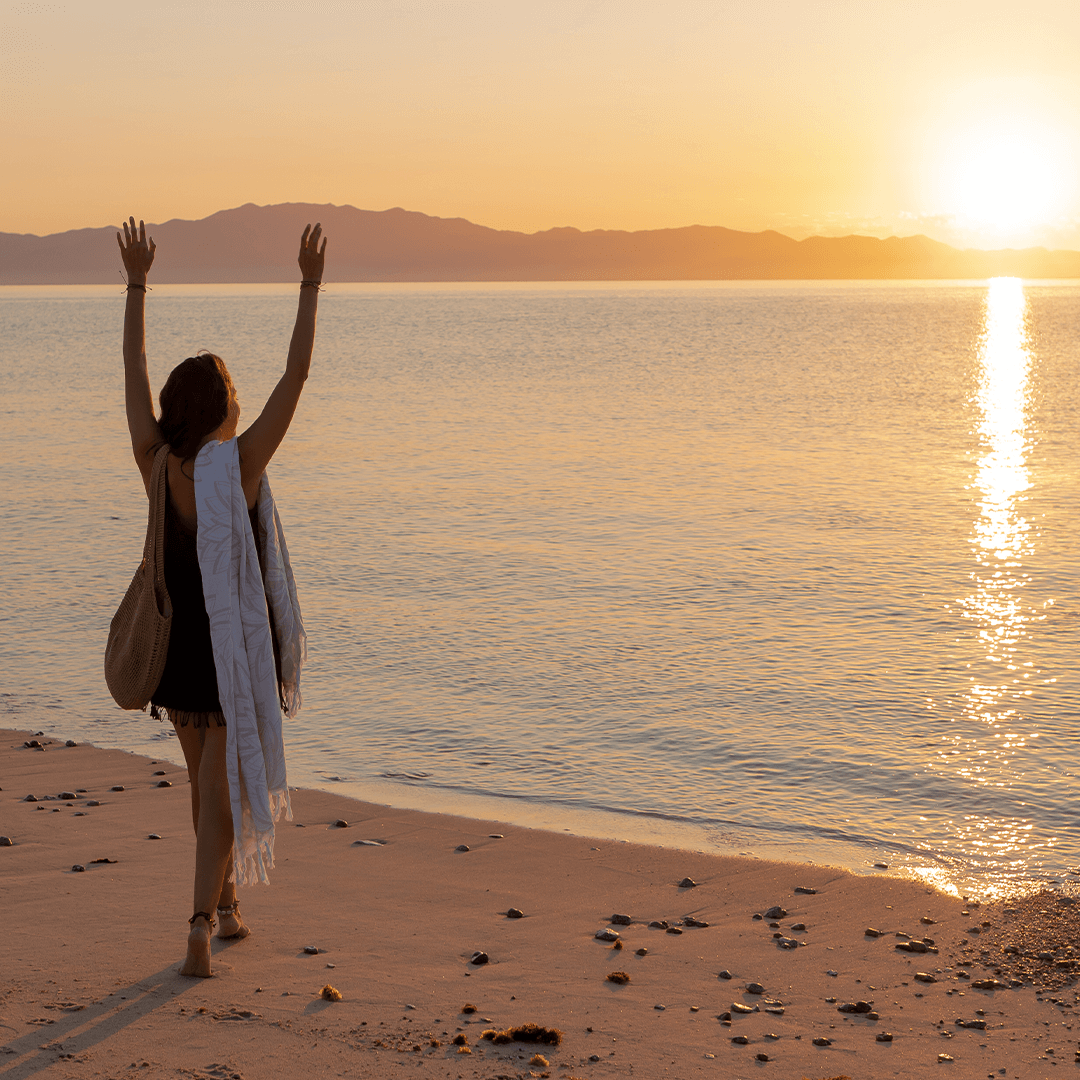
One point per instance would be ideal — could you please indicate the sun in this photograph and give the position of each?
(1001, 169)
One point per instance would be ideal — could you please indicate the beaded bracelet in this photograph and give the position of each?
(136, 285)
(313, 284)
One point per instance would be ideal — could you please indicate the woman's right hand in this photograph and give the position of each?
(136, 251)
(311, 255)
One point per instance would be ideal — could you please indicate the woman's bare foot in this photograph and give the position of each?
(231, 925)
(197, 962)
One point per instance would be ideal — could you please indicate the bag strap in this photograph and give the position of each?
(154, 546)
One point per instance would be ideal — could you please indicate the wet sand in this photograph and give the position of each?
(396, 911)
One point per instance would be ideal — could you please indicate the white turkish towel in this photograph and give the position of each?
(235, 596)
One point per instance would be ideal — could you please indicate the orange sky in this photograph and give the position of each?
(953, 118)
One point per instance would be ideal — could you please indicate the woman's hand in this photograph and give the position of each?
(137, 252)
(311, 255)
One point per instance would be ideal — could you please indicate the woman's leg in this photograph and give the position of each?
(204, 751)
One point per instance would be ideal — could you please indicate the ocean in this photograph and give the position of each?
(782, 569)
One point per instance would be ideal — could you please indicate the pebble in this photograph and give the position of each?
(619, 977)
(341, 823)
(805, 891)
(798, 927)
(160, 772)
(913, 946)
(775, 1010)
(762, 1057)
(311, 950)
(978, 1025)
(118, 787)
(881, 866)
(855, 1007)
(776, 912)
(755, 988)
(607, 934)
(78, 868)
(495, 836)
(154, 836)
(164, 783)
(724, 1018)
(6, 841)
(871, 932)
(515, 913)
(831, 973)
(331, 965)
(659, 924)
(687, 883)
(65, 796)
(92, 802)
(738, 1007)
(925, 977)
(788, 942)
(740, 1040)
(673, 930)
(695, 1008)
(594, 1057)
(927, 921)
(479, 958)
(945, 1057)
(462, 847)
(884, 1036)
(621, 920)
(756, 918)
(691, 921)
(643, 952)
(875, 1015)
(103, 861)
(30, 798)
(725, 974)
(71, 742)
(659, 1008)
(822, 1042)
(988, 984)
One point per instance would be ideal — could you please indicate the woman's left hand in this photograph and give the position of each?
(136, 251)
(311, 255)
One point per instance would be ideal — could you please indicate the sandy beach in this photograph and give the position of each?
(397, 904)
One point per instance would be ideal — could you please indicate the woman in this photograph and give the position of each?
(200, 409)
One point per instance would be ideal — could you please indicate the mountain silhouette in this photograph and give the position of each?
(258, 244)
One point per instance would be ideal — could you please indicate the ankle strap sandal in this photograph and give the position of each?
(202, 915)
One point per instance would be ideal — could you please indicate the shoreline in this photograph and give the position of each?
(92, 955)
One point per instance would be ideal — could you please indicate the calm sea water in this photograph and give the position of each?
(786, 569)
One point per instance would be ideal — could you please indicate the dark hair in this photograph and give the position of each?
(194, 402)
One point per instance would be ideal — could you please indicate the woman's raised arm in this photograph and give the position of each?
(259, 442)
(138, 255)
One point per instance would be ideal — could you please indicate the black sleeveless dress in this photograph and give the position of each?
(189, 682)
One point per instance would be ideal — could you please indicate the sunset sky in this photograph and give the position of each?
(953, 118)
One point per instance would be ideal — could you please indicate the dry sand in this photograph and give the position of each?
(88, 960)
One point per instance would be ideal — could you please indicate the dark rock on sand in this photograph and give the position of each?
(673, 930)
(776, 912)
(881, 866)
(740, 1040)
(927, 921)
(688, 883)
(92, 802)
(871, 932)
(805, 890)
(495, 836)
(30, 798)
(978, 1025)
(619, 977)
(311, 950)
(642, 952)
(884, 1036)
(913, 946)
(66, 796)
(762, 1057)
(988, 984)
(71, 742)
(756, 918)
(925, 977)
(341, 823)
(755, 988)
(462, 847)
(118, 787)
(822, 1042)
(164, 783)
(691, 921)
(855, 1007)
(725, 974)
(515, 913)
(738, 1007)
(788, 943)
(658, 924)
(607, 934)
(78, 868)
(479, 958)
(621, 920)
(154, 836)
(5, 841)
(798, 927)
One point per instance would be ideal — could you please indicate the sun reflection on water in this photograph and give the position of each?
(997, 609)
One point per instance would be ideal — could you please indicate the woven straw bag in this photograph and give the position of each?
(139, 635)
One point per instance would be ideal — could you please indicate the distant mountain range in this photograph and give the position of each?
(258, 243)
